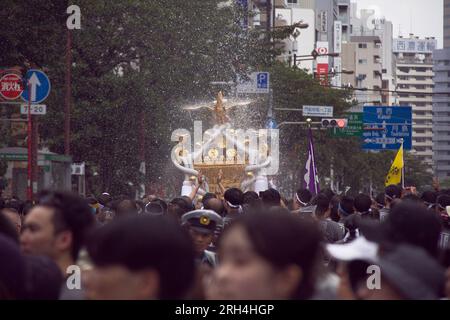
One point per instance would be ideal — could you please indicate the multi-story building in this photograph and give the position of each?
(366, 23)
(414, 81)
(363, 56)
(441, 103)
(288, 13)
(332, 28)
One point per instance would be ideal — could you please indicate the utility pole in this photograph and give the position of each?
(68, 94)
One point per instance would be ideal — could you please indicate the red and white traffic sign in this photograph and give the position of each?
(322, 50)
(11, 86)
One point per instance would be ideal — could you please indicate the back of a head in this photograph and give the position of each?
(154, 209)
(177, 207)
(429, 197)
(443, 200)
(283, 240)
(323, 204)
(271, 197)
(105, 199)
(234, 196)
(12, 270)
(303, 196)
(7, 228)
(71, 212)
(363, 203)
(215, 205)
(208, 196)
(144, 242)
(249, 197)
(392, 192)
(346, 206)
(44, 278)
(328, 193)
(380, 200)
(126, 207)
(413, 224)
(189, 203)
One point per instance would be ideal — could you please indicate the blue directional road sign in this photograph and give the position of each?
(385, 127)
(38, 83)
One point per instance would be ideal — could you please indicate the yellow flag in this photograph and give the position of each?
(395, 173)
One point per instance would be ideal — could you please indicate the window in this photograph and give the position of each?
(420, 130)
(292, 1)
(420, 140)
(403, 78)
(420, 86)
(418, 69)
(404, 69)
(362, 61)
(362, 45)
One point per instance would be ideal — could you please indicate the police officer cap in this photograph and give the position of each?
(204, 221)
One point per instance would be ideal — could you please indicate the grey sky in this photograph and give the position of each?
(424, 18)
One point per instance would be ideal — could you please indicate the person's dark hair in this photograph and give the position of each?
(323, 204)
(413, 198)
(429, 197)
(363, 203)
(234, 196)
(153, 208)
(26, 207)
(443, 200)
(157, 243)
(43, 278)
(178, 207)
(71, 213)
(392, 192)
(249, 197)
(328, 193)
(125, 207)
(105, 199)
(189, 203)
(346, 205)
(162, 203)
(270, 197)
(2, 203)
(208, 196)
(414, 224)
(304, 195)
(334, 204)
(380, 200)
(14, 204)
(351, 224)
(12, 270)
(7, 228)
(283, 240)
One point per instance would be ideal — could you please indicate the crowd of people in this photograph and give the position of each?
(232, 245)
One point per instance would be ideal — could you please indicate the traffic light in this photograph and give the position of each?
(334, 123)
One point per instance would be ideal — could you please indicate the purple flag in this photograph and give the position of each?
(311, 178)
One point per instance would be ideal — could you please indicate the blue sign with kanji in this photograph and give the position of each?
(385, 127)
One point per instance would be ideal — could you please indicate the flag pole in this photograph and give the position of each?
(403, 167)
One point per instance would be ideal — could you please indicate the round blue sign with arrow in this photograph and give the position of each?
(37, 86)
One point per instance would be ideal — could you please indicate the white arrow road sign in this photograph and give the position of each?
(34, 81)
